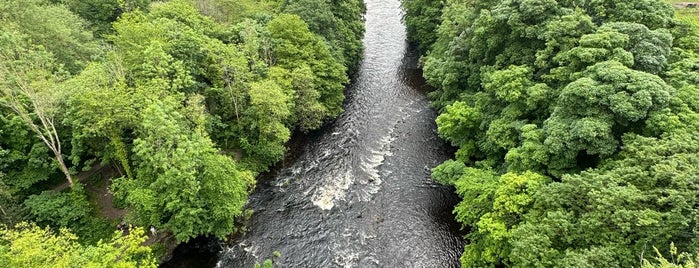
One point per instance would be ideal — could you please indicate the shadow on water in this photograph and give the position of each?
(411, 72)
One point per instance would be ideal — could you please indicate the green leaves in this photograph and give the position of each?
(296, 47)
(189, 107)
(271, 106)
(338, 22)
(595, 95)
(182, 184)
(54, 28)
(30, 246)
(59, 209)
(492, 205)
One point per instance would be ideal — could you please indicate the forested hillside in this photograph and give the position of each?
(576, 123)
(188, 100)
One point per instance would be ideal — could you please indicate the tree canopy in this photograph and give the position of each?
(28, 245)
(188, 100)
(575, 123)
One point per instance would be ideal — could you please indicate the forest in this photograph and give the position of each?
(185, 102)
(577, 128)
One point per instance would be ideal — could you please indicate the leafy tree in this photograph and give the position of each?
(27, 245)
(682, 260)
(586, 108)
(100, 110)
(422, 20)
(24, 158)
(70, 210)
(339, 22)
(59, 209)
(32, 91)
(99, 13)
(297, 47)
(53, 27)
(270, 106)
(209, 190)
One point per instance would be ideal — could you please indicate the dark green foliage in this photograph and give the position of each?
(11, 211)
(23, 158)
(70, 210)
(61, 209)
(421, 21)
(576, 127)
(648, 197)
(99, 13)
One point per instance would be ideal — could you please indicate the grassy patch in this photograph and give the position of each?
(689, 13)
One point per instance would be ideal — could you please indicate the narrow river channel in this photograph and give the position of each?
(359, 194)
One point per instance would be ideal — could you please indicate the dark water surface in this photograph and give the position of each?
(360, 194)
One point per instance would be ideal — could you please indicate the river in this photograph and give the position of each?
(359, 193)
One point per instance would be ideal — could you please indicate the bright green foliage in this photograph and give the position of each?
(492, 206)
(99, 110)
(175, 48)
(599, 96)
(683, 260)
(30, 246)
(270, 105)
(297, 48)
(182, 183)
(339, 22)
(52, 27)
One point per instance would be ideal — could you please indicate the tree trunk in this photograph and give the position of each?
(64, 169)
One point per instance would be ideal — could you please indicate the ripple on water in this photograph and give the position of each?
(359, 195)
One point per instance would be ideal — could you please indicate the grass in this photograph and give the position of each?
(688, 13)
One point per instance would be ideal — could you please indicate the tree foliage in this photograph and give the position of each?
(586, 108)
(187, 99)
(182, 183)
(30, 81)
(28, 245)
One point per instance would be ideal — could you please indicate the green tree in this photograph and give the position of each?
(422, 20)
(30, 89)
(339, 22)
(27, 245)
(591, 103)
(53, 27)
(210, 191)
(296, 46)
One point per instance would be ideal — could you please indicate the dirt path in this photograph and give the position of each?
(99, 191)
(81, 177)
(104, 198)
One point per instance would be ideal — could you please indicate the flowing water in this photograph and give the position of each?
(359, 193)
